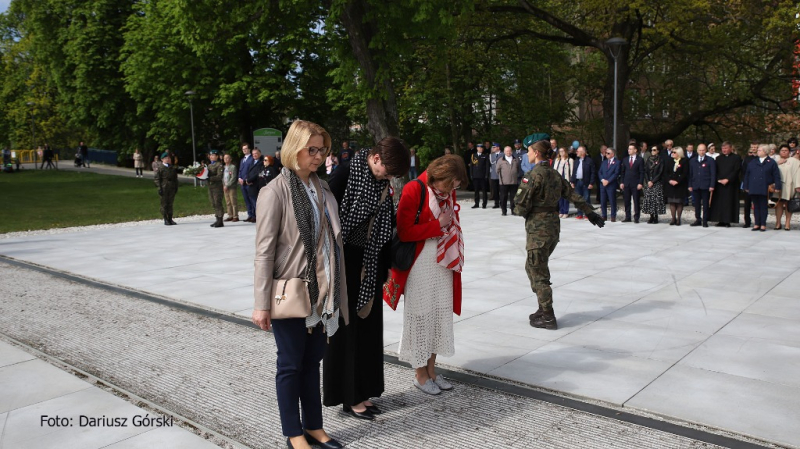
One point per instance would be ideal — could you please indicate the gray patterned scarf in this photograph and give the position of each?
(304, 216)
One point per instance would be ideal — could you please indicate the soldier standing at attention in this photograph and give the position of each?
(166, 179)
(537, 201)
(216, 170)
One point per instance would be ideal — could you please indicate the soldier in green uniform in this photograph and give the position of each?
(216, 170)
(537, 200)
(166, 179)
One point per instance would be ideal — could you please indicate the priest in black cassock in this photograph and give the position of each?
(725, 202)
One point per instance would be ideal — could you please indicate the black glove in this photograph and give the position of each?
(161, 193)
(596, 219)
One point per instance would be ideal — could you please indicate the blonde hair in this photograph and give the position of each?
(679, 150)
(297, 138)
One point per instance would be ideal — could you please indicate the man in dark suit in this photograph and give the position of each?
(632, 176)
(479, 167)
(244, 166)
(256, 166)
(702, 177)
(748, 204)
(609, 180)
(583, 178)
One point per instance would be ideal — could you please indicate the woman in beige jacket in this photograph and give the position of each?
(298, 235)
(138, 163)
(790, 180)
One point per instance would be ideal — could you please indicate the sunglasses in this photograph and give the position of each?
(312, 151)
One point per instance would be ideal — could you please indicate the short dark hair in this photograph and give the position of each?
(792, 140)
(394, 155)
(448, 168)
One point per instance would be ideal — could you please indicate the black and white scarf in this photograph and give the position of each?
(305, 223)
(362, 200)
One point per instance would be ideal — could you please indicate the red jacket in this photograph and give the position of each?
(428, 227)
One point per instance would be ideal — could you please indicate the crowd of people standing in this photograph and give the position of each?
(655, 179)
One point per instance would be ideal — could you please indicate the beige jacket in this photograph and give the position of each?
(279, 249)
(790, 177)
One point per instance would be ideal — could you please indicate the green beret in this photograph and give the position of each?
(213, 152)
(533, 138)
(164, 154)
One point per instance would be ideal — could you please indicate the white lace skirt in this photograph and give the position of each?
(427, 310)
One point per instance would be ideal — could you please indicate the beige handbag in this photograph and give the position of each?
(290, 299)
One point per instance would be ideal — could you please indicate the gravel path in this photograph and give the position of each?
(221, 375)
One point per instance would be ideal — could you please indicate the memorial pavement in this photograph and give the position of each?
(696, 325)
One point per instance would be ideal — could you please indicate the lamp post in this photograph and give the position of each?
(190, 94)
(33, 136)
(614, 47)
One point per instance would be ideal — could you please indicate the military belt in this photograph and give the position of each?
(544, 209)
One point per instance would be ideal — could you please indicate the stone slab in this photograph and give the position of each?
(34, 381)
(9, 355)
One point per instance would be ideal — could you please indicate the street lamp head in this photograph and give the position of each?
(30, 103)
(615, 44)
(189, 93)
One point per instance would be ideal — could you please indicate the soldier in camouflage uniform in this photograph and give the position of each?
(216, 170)
(537, 200)
(166, 179)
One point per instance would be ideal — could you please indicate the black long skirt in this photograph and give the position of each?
(353, 363)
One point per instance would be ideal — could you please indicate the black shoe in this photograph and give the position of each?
(627, 220)
(721, 225)
(475, 206)
(484, 206)
(636, 221)
(367, 415)
(696, 223)
(536, 314)
(705, 225)
(496, 206)
(727, 225)
(504, 214)
(755, 229)
(166, 221)
(171, 221)
(374, 409)
(330, 444)
(673, 223)
(746, 225)
(545, 321)
(678, 223)
(218, 223)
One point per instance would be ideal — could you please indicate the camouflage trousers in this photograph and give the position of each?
(166, 203)
(215, 195)
(539, 273)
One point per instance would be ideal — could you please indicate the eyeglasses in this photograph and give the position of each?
(312, 151)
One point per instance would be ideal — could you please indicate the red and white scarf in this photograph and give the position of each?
(450, 249)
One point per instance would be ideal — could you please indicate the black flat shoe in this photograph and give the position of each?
(366, 414)
(374, 409)
(330, 444)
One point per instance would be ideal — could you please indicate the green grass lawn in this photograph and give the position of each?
(34, 199)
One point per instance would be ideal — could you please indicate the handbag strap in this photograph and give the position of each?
(421, 200)
(372, 220)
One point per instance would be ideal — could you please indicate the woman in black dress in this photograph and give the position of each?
(353, 364)
(676, 184)
(653, 187)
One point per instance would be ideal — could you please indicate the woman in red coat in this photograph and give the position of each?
(432, 287)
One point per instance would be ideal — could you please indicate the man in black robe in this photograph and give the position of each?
(725, 203)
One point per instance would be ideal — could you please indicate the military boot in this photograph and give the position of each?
(218, 223)
(545, 321)
(536, 314)
(172, 222)
(166, 220)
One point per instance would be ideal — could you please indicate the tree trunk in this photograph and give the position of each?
(381, 104)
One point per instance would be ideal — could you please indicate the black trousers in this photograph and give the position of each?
(504, 196)
(701, 196)
(630, 191)
(760, 209)
(297, 377)
(495, 191)
(481, 185)
(748, 205)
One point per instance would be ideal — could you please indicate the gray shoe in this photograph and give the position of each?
(442, 383)
(429, 387)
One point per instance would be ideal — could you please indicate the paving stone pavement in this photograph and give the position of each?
(221, 375)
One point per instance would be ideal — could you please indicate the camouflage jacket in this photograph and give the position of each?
(166, 178)
(537, 200)
(215, 173)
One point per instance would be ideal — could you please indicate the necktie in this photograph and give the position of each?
(631, 161)
(701, 160)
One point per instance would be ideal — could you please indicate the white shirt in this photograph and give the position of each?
(509, 159)
(761, 159)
